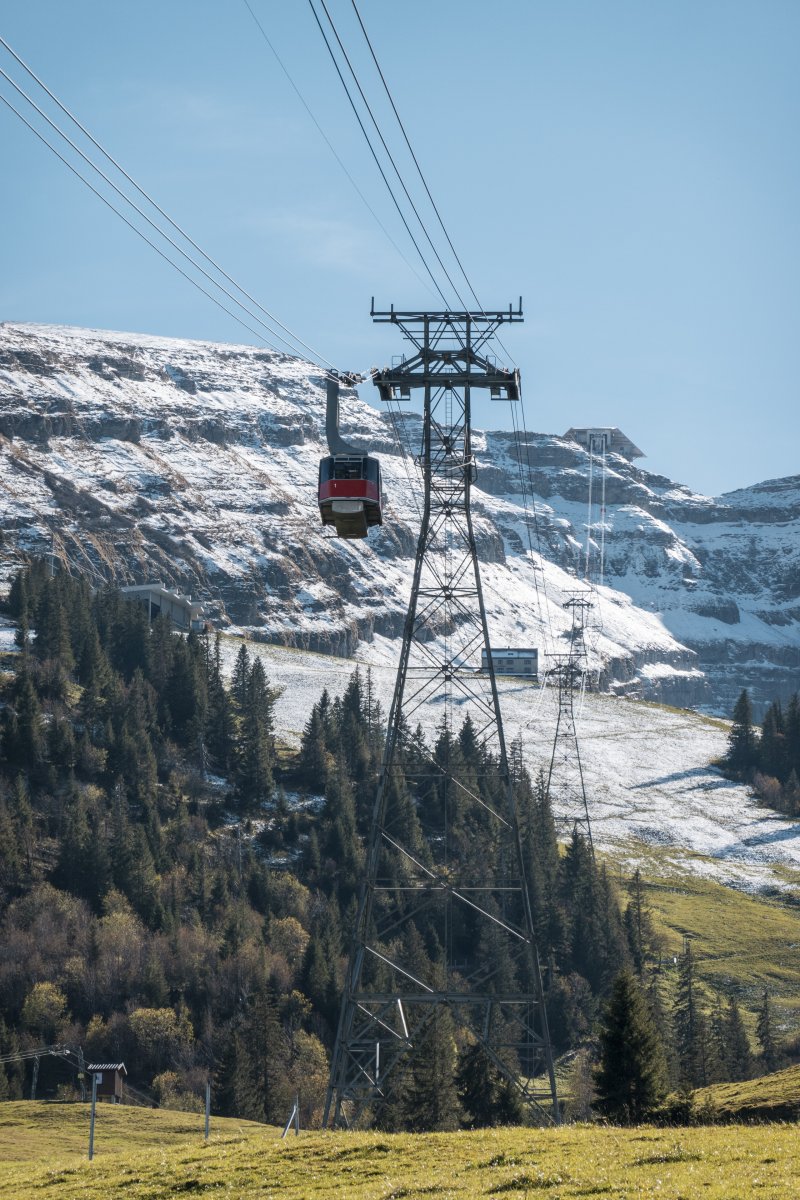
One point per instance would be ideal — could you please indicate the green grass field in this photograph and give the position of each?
(743, 943)
(148, 1155)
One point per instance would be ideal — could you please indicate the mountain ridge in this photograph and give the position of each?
(134, 457)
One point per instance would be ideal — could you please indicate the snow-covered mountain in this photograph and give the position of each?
(137, 458)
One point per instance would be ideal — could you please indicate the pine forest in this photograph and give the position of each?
(176, 888)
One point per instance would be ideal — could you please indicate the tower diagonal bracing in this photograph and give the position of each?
(566, 785)
(444, 921)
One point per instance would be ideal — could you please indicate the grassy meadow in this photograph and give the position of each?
(768, 1098)
(743, 942)
(146, 1155)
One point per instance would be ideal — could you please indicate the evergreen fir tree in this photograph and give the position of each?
(11, 868)
(643, 942)
(791, 794)
(772, 749)
(241, 677)
(765, 1033)
(269, 1054)
(742, 747)
(541, 845)
(486, 1096)
(52, 626)
(25, 741)
(793, 733)
(631, 1076)
(717, 1052)
(255, 755)
(314, 756)
(691, 1029)
(219, 732)
(236, 1087)
(738, 1058)
(431, 1099)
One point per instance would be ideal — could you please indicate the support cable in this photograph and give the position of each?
(546, 612)
(589, 523)
(331, 147)
(258, 336)
(171, 241)
(526, 488)
(299, 341)
(434, 206)
(413, 156)
(397, 171)
(402, 445)
(536, 528)
(372, 148)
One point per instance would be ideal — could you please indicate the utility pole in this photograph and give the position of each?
(465, 889)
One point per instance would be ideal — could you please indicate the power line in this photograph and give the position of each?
(299, 341)
(374, 154)
(331, 147)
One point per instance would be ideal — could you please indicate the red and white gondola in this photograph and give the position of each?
(349, 488)
(350, 494)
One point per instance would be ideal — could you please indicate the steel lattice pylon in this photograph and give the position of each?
(465, 883)
(565, 782)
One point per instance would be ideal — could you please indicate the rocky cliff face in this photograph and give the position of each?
(138, 458)
(722, 574)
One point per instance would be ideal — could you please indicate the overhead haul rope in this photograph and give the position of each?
(257, 333)
(389, 154)
(171, 241)
(531, 516)
(603, 517)
(413, 155)
(434, 206)
(331, 147)
(259, 337)
(269, 315)
(374, 153)
(436, 210)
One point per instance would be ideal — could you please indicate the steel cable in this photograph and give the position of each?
(389, 154)
(374, 153)
(331, 147)
(319, 358)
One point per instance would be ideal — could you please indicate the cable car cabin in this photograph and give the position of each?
(350, 494)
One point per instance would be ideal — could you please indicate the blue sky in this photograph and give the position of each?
(631, 169)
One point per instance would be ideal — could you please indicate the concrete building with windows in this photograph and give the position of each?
(512, 660)
(160, 601)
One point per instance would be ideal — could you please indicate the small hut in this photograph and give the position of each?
(109, 1084)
